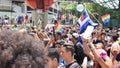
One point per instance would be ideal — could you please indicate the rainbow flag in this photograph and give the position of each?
(59, 27)
(105, 18)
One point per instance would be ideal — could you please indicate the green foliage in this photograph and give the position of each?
(96, 8)
(63, 5)
(68, 8)
(74, 17)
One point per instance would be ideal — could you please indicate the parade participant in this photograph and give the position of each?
(68, 50)
(58, 45)
(115, 50)
(52, 59)
(79, 51)
(99, 56)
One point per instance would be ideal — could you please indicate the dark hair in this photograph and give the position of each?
(74, 37)
(20, 49)
(53, 53)
(72, 31)
(69, 47)
(64, 36)
(49, 34)
(61, 42)
(101, 43)
(114, 37)
(58, 33)
(103, 33)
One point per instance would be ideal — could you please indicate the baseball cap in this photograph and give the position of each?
(75, 35)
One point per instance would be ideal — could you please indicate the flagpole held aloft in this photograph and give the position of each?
(94, 17)
(81, 7)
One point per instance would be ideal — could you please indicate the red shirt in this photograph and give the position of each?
(26, 17)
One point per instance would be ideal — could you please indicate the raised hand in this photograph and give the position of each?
(84, 40)
(90, 39)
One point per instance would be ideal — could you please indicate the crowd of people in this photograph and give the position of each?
(42, 48)
(4, 20)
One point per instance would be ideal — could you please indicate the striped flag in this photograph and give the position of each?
(59, 27)
(105, 18)
(84, 21)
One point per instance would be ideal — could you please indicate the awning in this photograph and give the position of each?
(31, 3)
(39, 4)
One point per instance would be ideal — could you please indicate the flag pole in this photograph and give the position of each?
(92, 15)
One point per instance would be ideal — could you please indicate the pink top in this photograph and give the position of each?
(102, 53)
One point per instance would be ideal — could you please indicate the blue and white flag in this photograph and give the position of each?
(84, 21)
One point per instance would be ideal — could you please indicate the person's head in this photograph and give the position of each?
(52, 58)
(58, 44)
(66, 31)
(94, 34)
(99, 45)
(115, 48)
(20, 50)
(67, 50)
(114, 37)
(74, 37)
(58, 35)
(103, 35)
(65, 37)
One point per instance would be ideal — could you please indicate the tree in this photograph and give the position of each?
(69, 8)
(97, 9)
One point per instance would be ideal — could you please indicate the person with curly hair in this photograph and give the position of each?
(18, 49)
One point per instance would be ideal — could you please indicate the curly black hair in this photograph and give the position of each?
(20, 50)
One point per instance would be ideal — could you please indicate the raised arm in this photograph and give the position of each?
(104, 64)
(99, 31)
(87, 49)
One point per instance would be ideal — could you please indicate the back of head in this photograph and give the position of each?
(18, 49)
(114, 37)
(99, 45)
(75, 35)
(58, 33)
(64, 36)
